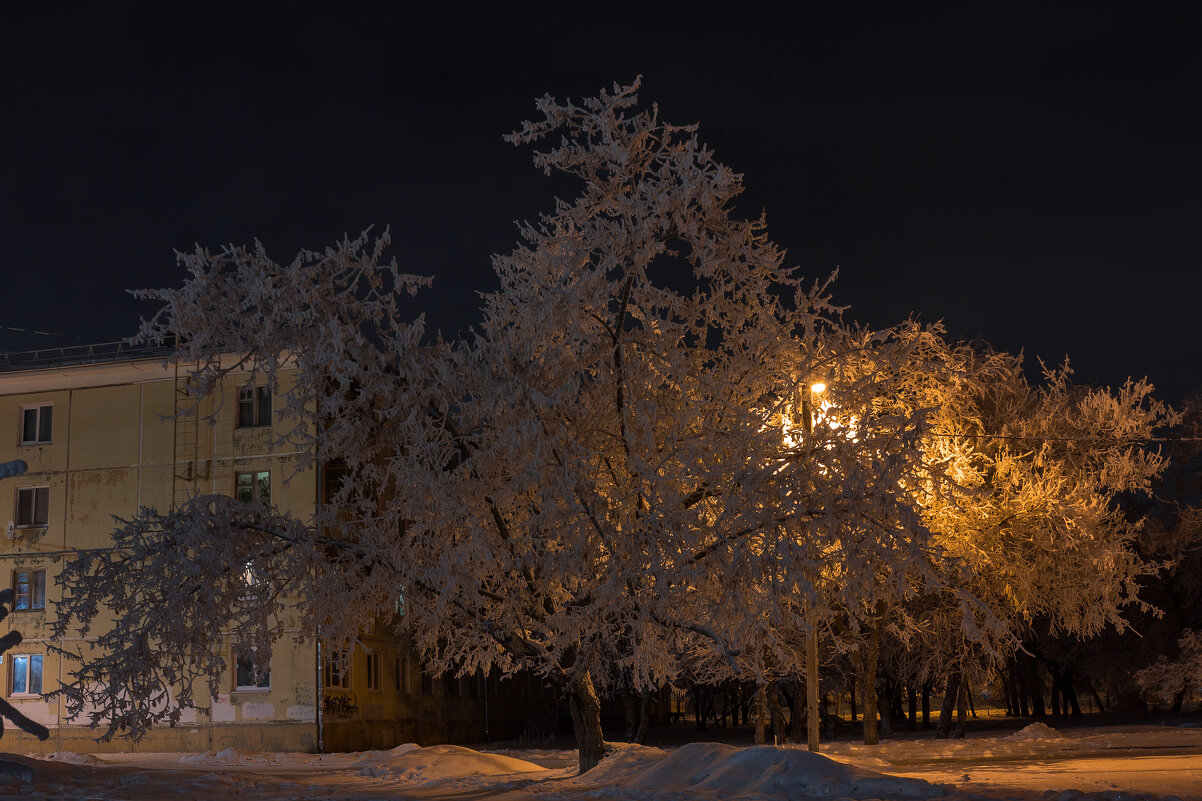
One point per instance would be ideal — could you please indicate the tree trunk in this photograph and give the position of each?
(855, 680)
(638, 712)
(912, 698)
(640, 735)
(944, 730)
(1010, 680)
(779, 736)
(1037, 707)
(1020, 681)
(629, 701)
(866, 672)
(586, 721)
(961, 717)
(884, 707)
(1069, 690)
(1093, 692)
(1179, 697)
(761, 714)
(926, 704)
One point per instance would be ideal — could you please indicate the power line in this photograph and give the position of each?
(86, 340)
(1043, 438)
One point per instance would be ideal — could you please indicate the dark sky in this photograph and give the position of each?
(1028, 174)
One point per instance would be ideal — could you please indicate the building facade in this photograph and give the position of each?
(102, 435)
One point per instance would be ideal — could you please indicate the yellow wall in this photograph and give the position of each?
(111, 451)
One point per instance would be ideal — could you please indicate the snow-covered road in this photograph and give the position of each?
(1097, 764)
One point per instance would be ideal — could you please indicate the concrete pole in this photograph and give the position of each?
(812, 684)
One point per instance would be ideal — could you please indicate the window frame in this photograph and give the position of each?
(34, 589)
(333, 676)
(255, 400)
(43, 425)
(241, 656)
(375, 682)
(33, 507)
(255, 485)
(29, 662)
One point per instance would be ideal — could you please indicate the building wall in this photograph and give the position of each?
(113, 448)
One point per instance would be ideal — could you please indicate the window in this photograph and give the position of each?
(29, 587)
(336, 671)
(254, 407)
(373, 672)
(27, 674)
(36, 424)
(33, 506)
(250, 674)
(399, 676)
(253, 486)
(427, 684)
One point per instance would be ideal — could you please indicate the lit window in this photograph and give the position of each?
(29, 589)
(336, 671)
(373, 672)
(33, 506)
(253, 486)
(250, 674)
(254, 407)
(27, 674)
(36, 423)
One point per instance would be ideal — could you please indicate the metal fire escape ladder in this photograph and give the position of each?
(187, 466)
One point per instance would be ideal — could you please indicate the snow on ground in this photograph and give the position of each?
(1037, 763)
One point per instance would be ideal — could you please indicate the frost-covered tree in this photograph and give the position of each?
(1168, 681)
(1031, 509)
(621, 477)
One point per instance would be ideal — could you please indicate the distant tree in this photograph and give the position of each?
(1034, 513)
(1169, 680)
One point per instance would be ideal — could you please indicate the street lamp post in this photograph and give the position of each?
(807, 418)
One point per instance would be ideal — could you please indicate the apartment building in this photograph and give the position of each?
(100, 430)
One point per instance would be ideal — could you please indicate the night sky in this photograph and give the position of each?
(1028, 174)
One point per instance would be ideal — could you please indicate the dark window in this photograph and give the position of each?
(253, 486)
(373, 672)
(29, 587)
(250, 674)
(336, 673)
(399, 676)
(36, 424)
(33, 506)
(254, 407)
(427, 684)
